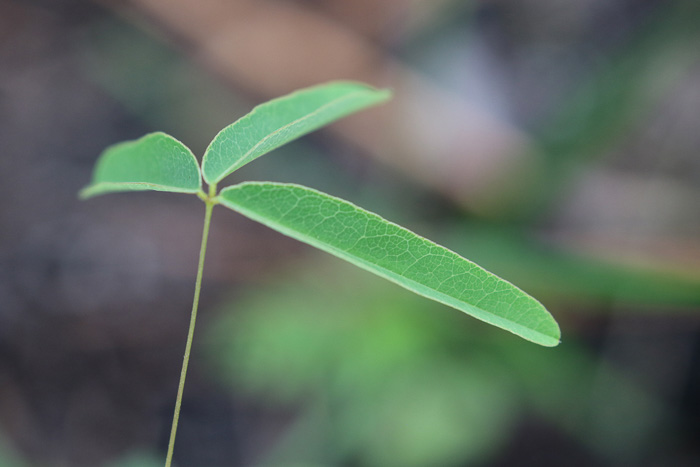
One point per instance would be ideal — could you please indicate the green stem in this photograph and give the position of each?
(209, 203)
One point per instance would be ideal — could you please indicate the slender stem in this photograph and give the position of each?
(193, 319)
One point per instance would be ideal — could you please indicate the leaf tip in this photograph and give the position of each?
(385, 93)
(552, 339)
(551, 342)
(86, 192)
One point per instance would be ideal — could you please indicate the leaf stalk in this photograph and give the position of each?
(209, 202)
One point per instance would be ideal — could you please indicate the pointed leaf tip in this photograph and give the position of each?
(279, 121)
(156, 161)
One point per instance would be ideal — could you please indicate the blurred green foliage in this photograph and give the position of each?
(384, 378)
(380, 379)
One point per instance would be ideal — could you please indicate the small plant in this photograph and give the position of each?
(159, 162)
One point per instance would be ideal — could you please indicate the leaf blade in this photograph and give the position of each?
(393, 252)
(156, 161)
(281, 120)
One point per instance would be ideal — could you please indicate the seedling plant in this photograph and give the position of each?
(159, 162)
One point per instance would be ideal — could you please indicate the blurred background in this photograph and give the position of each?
(556, 143)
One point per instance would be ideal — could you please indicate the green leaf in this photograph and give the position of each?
(154, 162)
(279, 121)
(390, 251)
